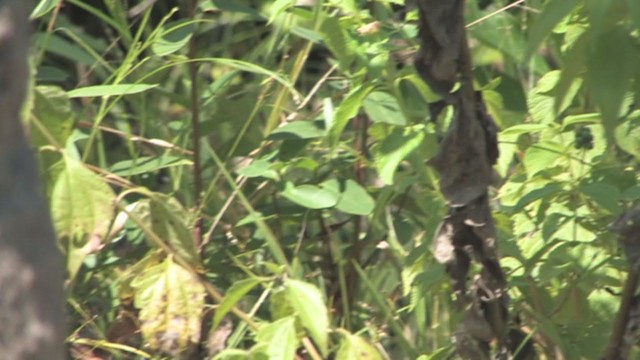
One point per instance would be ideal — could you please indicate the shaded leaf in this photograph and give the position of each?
(238, 290)
(147, 164)
(354, 199)
(346, 111)
(310, 196)
(297, 130)
(395, 148)
(554, 11)
(610, 67)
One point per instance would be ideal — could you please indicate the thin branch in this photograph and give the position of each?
(195, 129)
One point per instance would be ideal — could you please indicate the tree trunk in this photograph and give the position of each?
(31, 271)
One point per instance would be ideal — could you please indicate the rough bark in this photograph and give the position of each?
(31, 275)
(467, 153)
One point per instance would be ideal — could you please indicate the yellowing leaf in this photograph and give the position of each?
(354, 347)
(170, 300)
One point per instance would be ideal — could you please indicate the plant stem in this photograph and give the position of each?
(195, 130)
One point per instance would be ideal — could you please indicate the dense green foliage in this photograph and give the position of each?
(309, 188)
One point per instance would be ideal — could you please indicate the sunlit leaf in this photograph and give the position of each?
(346, 111)
(336, 39)
(109, 90)
(43, 8)
(353, 347)
(280, 339)
(541, 156)
(174, 36)
(170, 301)
(82, 209)
(310, 308)
(382, 107)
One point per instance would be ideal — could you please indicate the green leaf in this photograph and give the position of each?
(382, 107)
(537, 193)
(52, 109)
(346, 111)
(524, 129)
(336, 40)
(236, 292)
(610, 68)
(43, 8)
(279, 7)
(171, 301)
(82, 209)
(310, 196)
(553, 12)
(309, 305)
(166, 218)
(280, 339)
(259, 168)
(354, 199)
(297, 130)
(542, 99)
(147, 164)
(232, 354)
(395, 148)
(174, 36)
(541, 156)
(109, 90)
(353, 347)
(60, 46)
(605, 195)
(627, 135)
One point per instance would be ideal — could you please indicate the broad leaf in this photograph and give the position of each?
(82, 209)
(354, 199)
(611, 65)
(395, 148)
(382, 107)
(280, 339)
(310, 196)
(309, 305)
(353, 347)
(171, 301)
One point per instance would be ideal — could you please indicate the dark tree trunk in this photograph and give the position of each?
(31, 272)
